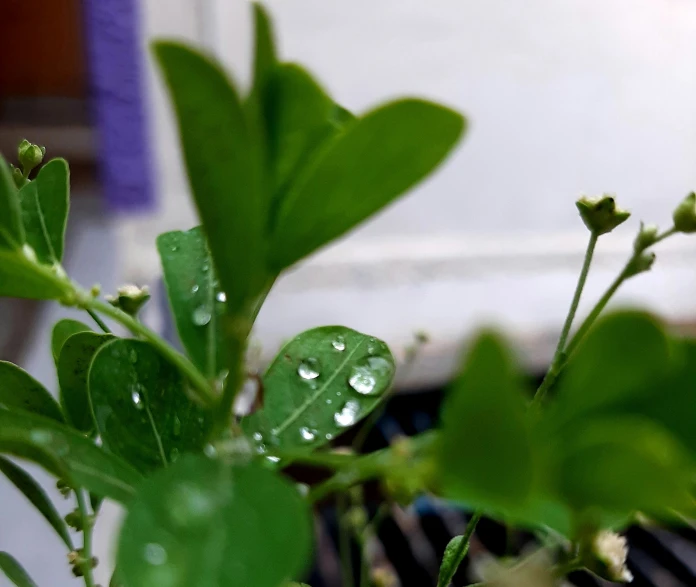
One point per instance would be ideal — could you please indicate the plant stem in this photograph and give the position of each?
(87, 538)
(200, 384)
(348, 580)
(98, 320)
(557, 360)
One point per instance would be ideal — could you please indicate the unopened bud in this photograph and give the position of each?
(130, 298)
(29, 156)
(610, 551)
(684, 214)
(601, 214)
(647, 236)
(640, 264)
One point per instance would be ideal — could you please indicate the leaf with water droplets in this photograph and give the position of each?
(62, 330)
(204, 523)
(73, 366)
(195, 297)
(322, 382)
(44, 204)
(67, 454)
(19, 390)
(14, 571)
(142, 410)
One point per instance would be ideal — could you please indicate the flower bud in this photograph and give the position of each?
(610, 551)
(640, 264)
(647, 236)
(17, 177)
(75, 521)
(130, 298)
(30, 156)
(684, 214)
(601, 214)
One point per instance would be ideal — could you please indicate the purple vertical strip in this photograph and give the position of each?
(118, 102)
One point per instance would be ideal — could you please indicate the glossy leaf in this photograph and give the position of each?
(20, 390)
(38, 498)
(21, 276)
(379, 157)
(66, 454)
(44, 203)
(14, 571)
(11, 229)
(73, 366)
(203, 523)
(62, 331)
(195, 297)
(224, 162)
(486, 455)
(141, 407)
(322, 382)
(451, 559)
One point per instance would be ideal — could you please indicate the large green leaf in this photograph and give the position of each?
(321, 383)
(44, 204)
(195, 297)
(20, 390)
(11, 229)
(38, 498)
(486, 457)
(21, 276)
(67, 454)
(141, 407)
(378, 157)
(73, 366)
(265, 57)
(62, 331)
(203, 523)
(14, 571)
(225, 166)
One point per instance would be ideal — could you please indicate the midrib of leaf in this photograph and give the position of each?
(212, 338)
(156, 433)
(311, 399)
(95, 473)
(9, 238)
(44, 230)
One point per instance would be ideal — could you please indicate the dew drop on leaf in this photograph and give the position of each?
(348, 414)
(257, 436)
(309, 368)
(194, 289)
(362, 379)
(41, 436)
(339, 343)
(210, 451)
(221, 297)
(201, 316)
(273, 459)
(137, 399)
(307, 435)
(155, 554)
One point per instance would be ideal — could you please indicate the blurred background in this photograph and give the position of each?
(563, 97)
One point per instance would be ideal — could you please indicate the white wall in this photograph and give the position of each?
(563, 97)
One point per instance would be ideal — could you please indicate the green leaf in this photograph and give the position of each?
(321, 383)
(38, 498)
(62, 330)
(14, 571)
(73, 367)
(297, 113)
(204, 523)
(20, 390)
(11, 229)
(225, 169)
(66, 454)
(451, 559)
(623, 465)
(379, 157)
(21, 276)
(141, 406)
(486, 455)
(265, 57)
(622, 356)
(44, 203)
(195, 297)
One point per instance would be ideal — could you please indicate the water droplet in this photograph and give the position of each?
(328, 436)
(155, 554)
(201, 316)
(221, 380)
(133, 356)
(221, 297)
(381, 366)
(176, 426)
(339, 343)
(328, 402)
(348, 415)
(210, 451)
(173, 455)
(205, 267)
(137, 398)
(307, 435)
(273, 459)
(195, 288)
(362, 379)
(309, 368)
(174, 249)
(303, 489)
(257, 436)
(189, 505)
(41, 436)
(372, 376)
(29, 253)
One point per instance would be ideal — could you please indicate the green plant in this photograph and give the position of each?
(276, 175)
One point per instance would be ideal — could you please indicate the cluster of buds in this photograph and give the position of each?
(80, 563)
(30, 156)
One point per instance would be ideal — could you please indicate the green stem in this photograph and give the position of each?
(87, 538)
(558, 356)
(370, 530)
(463, 546)
(99, 321)
(348, 580)
(200, 384)
(566, 568)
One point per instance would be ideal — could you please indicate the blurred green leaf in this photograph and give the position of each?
(73, 366)
(265, 57)
(379, 157)
(205, 523)
(20, 390)
(225, 169)
(44, 203)
(321, 383)
(195, 297)
(62, 330)
(11, 229)
(486, 456)
(14, 571)
(67, 454)
(21, 276)
(38, 498)
(141, 407)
